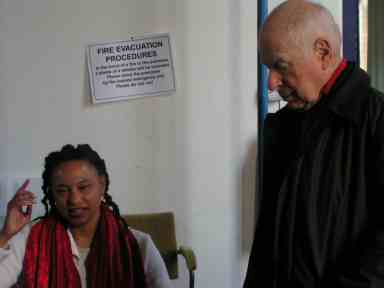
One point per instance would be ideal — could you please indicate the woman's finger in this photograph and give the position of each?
(25, 195)
(22, 200)
(23, 186)
(28, 212)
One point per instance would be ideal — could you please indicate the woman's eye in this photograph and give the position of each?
(60, 191)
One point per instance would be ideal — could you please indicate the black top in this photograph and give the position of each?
(321, 222)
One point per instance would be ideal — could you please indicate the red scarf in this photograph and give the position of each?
(114, 259)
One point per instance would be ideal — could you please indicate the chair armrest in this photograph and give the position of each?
(189, 257)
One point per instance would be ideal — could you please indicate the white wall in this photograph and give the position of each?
(192, 152)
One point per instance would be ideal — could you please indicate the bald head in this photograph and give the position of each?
(299, 24)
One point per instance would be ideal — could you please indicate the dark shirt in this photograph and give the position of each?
(321, 222)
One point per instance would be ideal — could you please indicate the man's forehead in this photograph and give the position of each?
(272, 38)
(271, 49)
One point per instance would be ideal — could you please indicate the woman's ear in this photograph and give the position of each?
(323, 52)
(103, 182)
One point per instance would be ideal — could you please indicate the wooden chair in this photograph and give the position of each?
(161, 227)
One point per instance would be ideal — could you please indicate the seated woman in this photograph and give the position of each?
(82, 241)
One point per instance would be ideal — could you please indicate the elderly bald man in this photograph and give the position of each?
(321, 218)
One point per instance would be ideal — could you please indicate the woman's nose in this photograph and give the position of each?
(74, 196)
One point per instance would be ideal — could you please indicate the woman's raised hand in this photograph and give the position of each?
(16, 217)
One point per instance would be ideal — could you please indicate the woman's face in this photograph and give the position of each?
(77, 191)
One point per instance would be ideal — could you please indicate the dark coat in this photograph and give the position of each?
(321, 222)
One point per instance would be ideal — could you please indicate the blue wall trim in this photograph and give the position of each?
(262, 100)
(351, 48)
(262, 85)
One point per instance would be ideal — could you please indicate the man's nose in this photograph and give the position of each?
(274, 80)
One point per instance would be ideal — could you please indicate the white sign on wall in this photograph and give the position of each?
(121, 70)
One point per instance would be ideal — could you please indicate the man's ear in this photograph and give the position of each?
(323, 51)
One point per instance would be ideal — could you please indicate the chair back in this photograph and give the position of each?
(161, 227)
